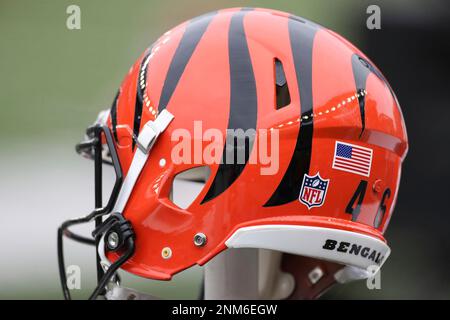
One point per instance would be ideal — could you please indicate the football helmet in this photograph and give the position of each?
(292, 138)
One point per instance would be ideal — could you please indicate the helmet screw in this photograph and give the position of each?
(113, 240)
(200, 239)
(166, 253)
(378, 186)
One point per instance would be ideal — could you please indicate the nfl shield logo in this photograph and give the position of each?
(313, 191)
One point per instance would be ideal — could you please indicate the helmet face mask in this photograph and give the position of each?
(115, 234)
(102, 153)
(321, 109)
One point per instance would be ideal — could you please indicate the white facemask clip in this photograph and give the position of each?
(145, 141)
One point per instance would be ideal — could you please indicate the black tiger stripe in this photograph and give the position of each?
(301, 35)
(113, 114)
(191, 37)
(140, 91)
(243, 107)
(361, 69)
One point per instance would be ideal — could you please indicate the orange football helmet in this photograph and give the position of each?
(331, 121)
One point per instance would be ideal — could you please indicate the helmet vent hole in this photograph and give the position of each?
(187, 185)
(283, 97)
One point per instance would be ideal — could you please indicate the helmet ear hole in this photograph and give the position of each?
(283, 97)
(187, 185)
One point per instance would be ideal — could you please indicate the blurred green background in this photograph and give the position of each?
(53, 83)
(55, 80)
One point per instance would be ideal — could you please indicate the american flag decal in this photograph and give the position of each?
(351, 158)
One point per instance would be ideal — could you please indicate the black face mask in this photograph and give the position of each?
(115, 228)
